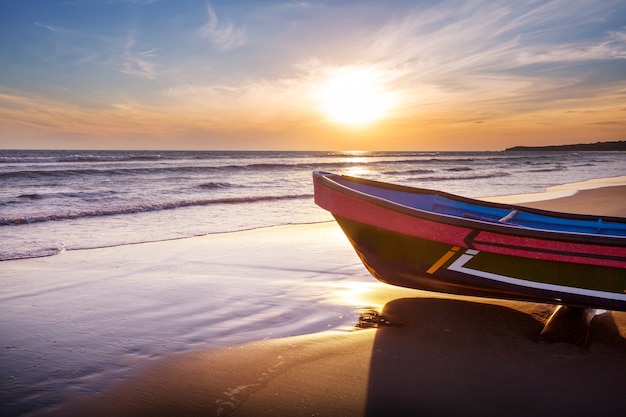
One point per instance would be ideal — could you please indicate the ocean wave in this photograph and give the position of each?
(142, 208)
(77, 158)
(555, 169)
(28, 198)
(109, 158)
(35, 174)
(65, 171)
(33, 196)
(102, 171)
(34, 171)
(215, 185)
(464, 178)
(538, 163)
(410, 172)
(449, 160)
(36, 252)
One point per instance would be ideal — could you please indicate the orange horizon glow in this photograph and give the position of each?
(127, 127)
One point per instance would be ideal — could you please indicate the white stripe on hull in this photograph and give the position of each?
(459, 266)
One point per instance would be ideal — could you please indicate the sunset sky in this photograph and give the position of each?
(316, 75)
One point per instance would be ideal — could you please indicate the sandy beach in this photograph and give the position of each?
(434, 355)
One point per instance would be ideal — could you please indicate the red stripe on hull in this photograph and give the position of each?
(367, 212)
(375, 215)
(551, 250)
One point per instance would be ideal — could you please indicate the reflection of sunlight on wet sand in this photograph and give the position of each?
(373, 294)
(354, 293)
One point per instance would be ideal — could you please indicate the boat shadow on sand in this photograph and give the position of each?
(441, 357)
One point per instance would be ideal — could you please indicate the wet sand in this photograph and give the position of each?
(607, 201)
(440, 355)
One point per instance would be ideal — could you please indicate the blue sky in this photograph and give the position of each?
(173, 74)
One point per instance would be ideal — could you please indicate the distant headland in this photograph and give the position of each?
(598, 146)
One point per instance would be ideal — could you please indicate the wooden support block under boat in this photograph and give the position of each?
(568, 325)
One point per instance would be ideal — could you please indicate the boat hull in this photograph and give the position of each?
(423, 264)
(408, 248)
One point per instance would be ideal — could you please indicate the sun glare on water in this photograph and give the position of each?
(355, 97)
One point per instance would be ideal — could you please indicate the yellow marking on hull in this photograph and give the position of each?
(442, 260)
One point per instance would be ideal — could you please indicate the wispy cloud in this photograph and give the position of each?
(613, 46)
(100, 2)
(223, 35)
(58, 29)
(472, 58)
(43, 25)
(138, 63)
(489, 54)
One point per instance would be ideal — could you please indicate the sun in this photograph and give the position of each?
(355, 97)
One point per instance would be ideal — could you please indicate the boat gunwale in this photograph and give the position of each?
(325, 178)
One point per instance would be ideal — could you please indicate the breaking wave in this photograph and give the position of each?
(8, 221)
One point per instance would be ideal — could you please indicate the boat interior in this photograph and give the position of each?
(439, 203)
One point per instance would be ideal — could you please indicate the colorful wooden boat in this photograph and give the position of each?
(431, 240)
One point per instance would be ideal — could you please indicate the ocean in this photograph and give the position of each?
(75, 321)
(52, 201)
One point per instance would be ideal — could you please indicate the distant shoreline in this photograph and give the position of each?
(598, 146)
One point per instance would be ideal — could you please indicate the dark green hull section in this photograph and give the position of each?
(413, 262)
